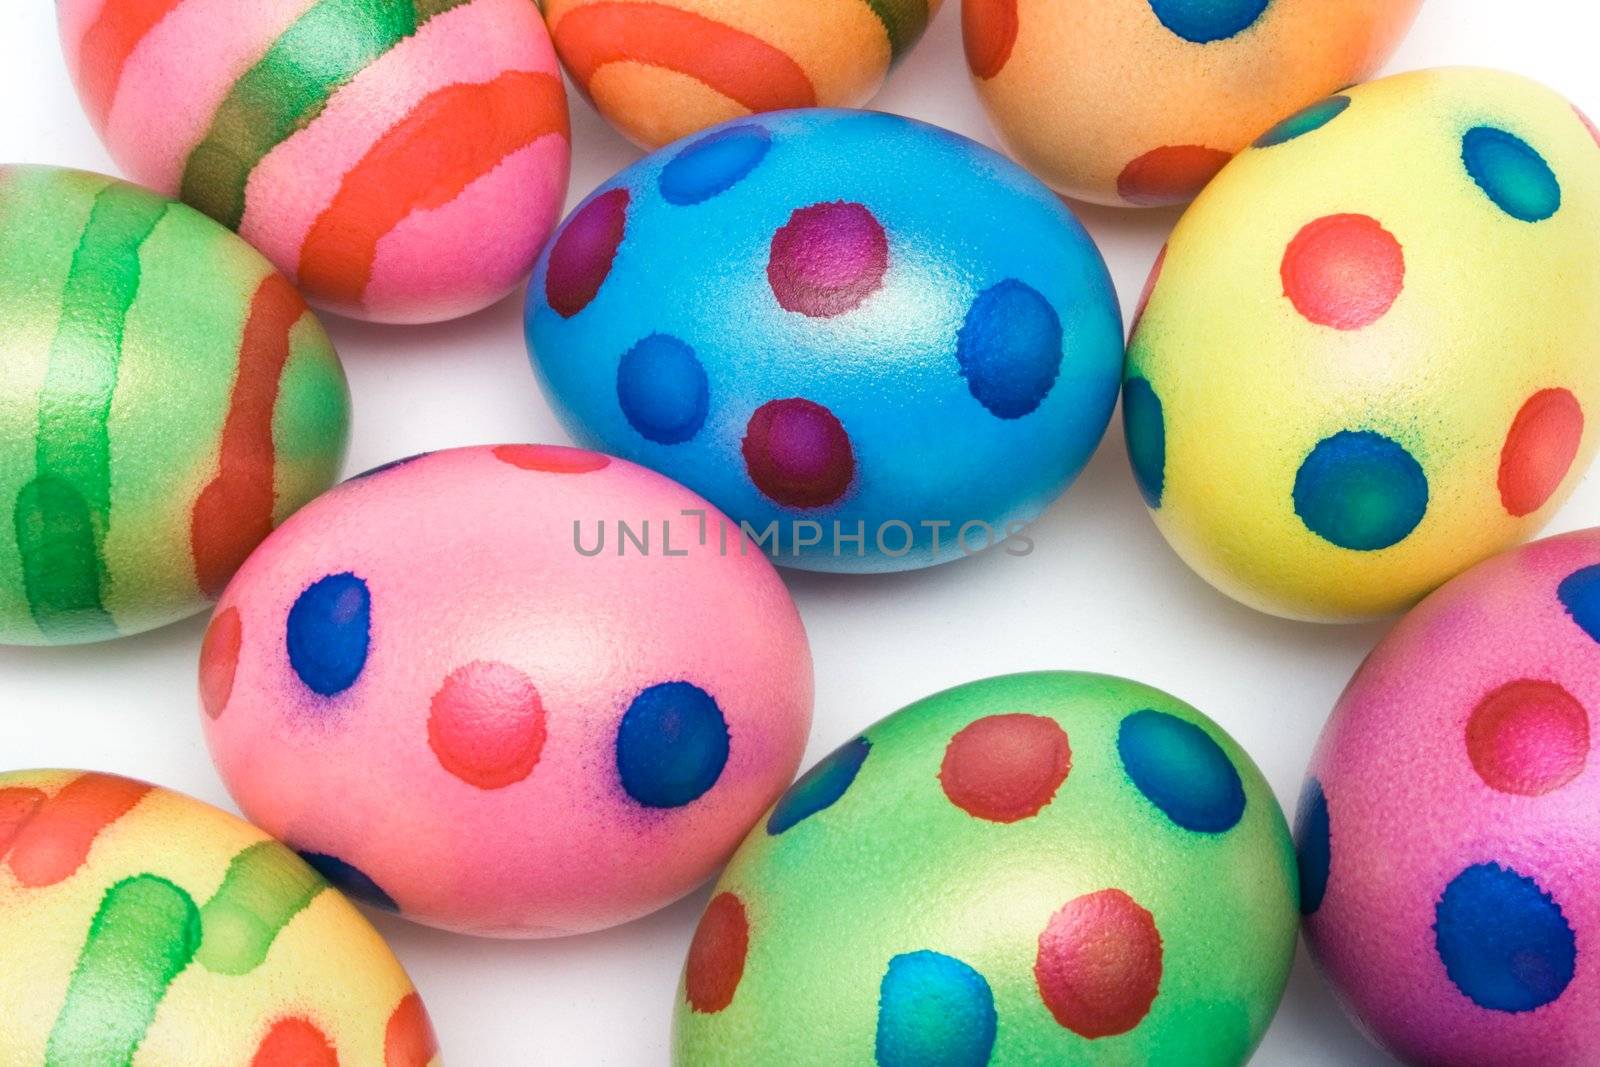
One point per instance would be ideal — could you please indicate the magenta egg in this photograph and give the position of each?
(1449, 831)
(517, 691)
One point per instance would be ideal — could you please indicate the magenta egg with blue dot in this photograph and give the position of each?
(854, 333)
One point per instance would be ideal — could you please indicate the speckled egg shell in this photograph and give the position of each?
(1034, 869)
(1449, 831)
(662, 70)
(836, 318)
(459, 684)
(165, 399)
(1141, 102)
(142, 927)
(1371, 351)
(401, 161)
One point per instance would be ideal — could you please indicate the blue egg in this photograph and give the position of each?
(875, 344)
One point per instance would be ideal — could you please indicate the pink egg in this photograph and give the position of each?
(1449, 832)
(518, 691)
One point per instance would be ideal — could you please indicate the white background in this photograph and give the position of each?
(1102, 591)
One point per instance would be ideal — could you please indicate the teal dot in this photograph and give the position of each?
(1360, 490)
(1181, 770)
(1304, 121)
(1512, 173)
(934, 1011)
(1145, 429)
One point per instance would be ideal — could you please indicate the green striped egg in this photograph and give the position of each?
(166, 399)
(1052, 868)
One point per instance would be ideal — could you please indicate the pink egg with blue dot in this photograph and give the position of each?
(1449, 830)
(877, 344)
(516, 691)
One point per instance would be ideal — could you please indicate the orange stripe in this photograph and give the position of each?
(742, 67)
(453, 137)
(106, 45)
(54, 843)
(17, 805)
(233, 514)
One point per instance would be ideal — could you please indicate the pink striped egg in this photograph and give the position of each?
(401, 161)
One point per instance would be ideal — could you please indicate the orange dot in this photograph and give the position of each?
(486, 724)
(717, 954)
(1173, 174)
(409, 1040)
(219, 660)
(1540, 446)
(552, 459)
(294, 1042)
(1149, 290)
(1005, 767)
(1343, 271)
(989, 32)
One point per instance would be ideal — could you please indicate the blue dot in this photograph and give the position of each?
(714, 164)
(329, 628)
(820, 787)
(1304, 121)
(393, 464)
(934, 1011)
(1512, 173)
(672, 745)
(1503, 940)
(350, 881)
(1146, 431)
(1361, 491)
(1313, 846)
(662, 389)
(1009, 348)
(1181, 770)
(1580, 595)
(1204, 21)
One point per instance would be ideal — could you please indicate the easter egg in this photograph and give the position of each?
(1034, 869)
(519, 691)
(663, 69)
(1371, 350)
(399, 160)
(143, 927)
(166, 398)
(875, 343)
(1141, 102)
(1449, 829)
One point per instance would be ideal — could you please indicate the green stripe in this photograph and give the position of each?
(265, 887)
(61, 516)
(288, 87)
(903, 21)
(143, 936)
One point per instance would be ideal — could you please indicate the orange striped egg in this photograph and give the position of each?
(659, 70)
(401, 160)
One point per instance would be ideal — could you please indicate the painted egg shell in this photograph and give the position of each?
(1141, 102)
(1371, 351)
(478, 700)
(835, 325)
(1449, 831)
(1035, 869)
(664, 69)
(165, 399)
(401, 160)
(145, 928)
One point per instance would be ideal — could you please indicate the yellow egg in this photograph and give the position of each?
(1143, 101)
(145, 928)
(1370, 356)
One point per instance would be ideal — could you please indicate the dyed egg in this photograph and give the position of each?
(877, 344)
(143, 927)
(664, 69)
(1449, 831)
(165, 399)
(1141, 102)
(400, 161)
(517, 691)
(1035, 869)
(1371, 350)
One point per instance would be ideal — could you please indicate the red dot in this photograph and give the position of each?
(1099, 964)
(989, 32)
(1343, 271)
(827, 259)
(409, 1040)
(486, 725)
(294, 1043)
(717, 954)
(1149, 290)
(551, 459)
(1005, 767)
(1539, 450)
(1528, 737)
(219, 659)
(580, 259)
(1588, 124)
(798, 453)
(1173, 174)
